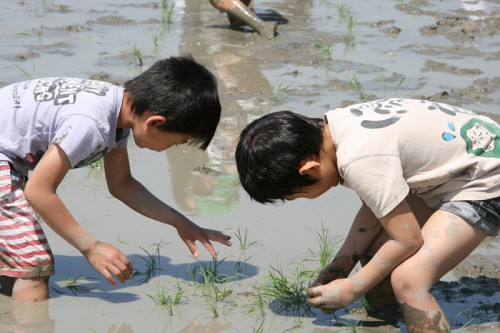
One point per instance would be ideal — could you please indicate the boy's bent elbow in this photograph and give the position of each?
(34, 195)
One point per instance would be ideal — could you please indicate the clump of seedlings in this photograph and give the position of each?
(78, 285)
(163, 298)
(280, 92)
(285, 294)
(325, 46)
(211, 281)
(136, 60)
(152, 261)
(356, 84)
(245, 244)
(167, 12)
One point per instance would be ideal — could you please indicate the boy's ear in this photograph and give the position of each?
(151, 121)
(309, 165)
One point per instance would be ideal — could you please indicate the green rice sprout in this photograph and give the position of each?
(167, 11)
(152, 265)
(163, 298)
(136, 60)
(76, 285)
(286, 294)
(280, 92)
(325, 47)
(356, 84)
(327, 248)
(243, 239)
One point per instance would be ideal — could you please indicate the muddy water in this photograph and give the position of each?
(325, 55)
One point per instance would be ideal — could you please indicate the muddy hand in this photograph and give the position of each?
(109, 261)
(339, 268)
(332, 296)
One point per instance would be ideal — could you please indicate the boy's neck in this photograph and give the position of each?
(328, 146)
(126, 114)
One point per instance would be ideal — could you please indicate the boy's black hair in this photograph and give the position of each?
(184, 92)
(269, 153)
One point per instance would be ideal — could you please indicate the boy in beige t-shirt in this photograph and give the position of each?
(429, 173)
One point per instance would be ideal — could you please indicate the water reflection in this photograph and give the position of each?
(25, 317)
(206, 183)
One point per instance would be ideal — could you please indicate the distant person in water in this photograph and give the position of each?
(240, 13)
(52, 125)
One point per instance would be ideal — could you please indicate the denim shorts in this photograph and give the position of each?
(483, 214)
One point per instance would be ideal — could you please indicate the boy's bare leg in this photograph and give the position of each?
(239, 14)
(30, 289)
(448, 239)
(381, 297)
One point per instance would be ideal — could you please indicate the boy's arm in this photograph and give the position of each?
(40, 192)
(365, 228)
(405, 238)
(127, 189)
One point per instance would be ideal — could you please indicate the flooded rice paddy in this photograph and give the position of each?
(327, 54)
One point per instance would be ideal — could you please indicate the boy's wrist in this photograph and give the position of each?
(85, 244)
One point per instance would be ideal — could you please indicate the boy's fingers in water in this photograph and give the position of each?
(219, 236)
(192, 247)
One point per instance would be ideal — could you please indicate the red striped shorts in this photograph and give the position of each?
(24, 250)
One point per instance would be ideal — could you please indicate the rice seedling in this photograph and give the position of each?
(259, 328)
(213, 294)
(76, 285)
(209, 273)
(286, 294)
(280, 91)
(327, 3)
(152, 261)
(356, 84)
(257, 303)
(25, 73)
(42, 7)
(167, 11)
(158, 39)
(400, 80)
(241, 265)
(479, 313)
(327, 248)
(163, 298)
(325, 47)
(136, 60)
(243, 239)
(346, 17)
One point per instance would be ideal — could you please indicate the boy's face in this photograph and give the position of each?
(324, 171)
(158, 140)
(147, 135)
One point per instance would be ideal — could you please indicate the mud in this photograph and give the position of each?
(326, 54)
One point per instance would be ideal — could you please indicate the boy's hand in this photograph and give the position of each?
(109, 261)
(190, 233)
(334, 295)
(337, 269)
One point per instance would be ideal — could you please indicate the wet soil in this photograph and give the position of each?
(326, 54)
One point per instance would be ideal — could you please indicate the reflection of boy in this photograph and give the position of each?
(427, 202)
(52, 125)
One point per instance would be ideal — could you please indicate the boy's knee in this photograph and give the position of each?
(404, 281)
(31, 289)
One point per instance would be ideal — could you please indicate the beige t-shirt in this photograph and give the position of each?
(389, 148)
